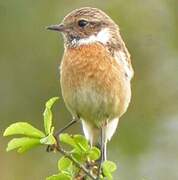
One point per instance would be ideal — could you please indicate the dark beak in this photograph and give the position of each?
(58, 27)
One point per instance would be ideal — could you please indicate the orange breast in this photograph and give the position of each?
(93, 83)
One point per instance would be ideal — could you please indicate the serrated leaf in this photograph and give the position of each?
(81, 142)
(23, 144)
(94, 153)
(48, 114)
(60, 176)
(67, 139)
(23, 128)
(49, 140)
(64, 164)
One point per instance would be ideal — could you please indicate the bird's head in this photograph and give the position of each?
(85, 26)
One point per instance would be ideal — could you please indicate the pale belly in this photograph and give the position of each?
(92, 105)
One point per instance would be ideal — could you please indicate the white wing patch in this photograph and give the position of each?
(122, 59)
(103, 37)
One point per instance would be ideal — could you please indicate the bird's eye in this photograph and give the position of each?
(82, 23)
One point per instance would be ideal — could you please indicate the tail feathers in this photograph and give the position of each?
(93, 134)
(110, 128)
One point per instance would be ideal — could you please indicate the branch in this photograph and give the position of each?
(68, 155)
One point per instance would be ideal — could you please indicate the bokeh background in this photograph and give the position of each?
(146, 143)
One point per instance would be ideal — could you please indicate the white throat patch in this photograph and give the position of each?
(103, 37)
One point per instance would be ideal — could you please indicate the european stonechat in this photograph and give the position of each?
(96, 72)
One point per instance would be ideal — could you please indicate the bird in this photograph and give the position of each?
(95, 73)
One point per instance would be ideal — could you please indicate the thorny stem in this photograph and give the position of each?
(69, 156)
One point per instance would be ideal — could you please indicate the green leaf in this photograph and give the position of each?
(47, 120)
(108, 175)
(51, 101)
(23, 128)
(94, 153)
(81, 142)
(64, 164)
(48, 114)
(67, 167)
(23, 144)
(80, 157)
(101, 177)
(67, 139)
(49, 140)
(60, 176)
(108, 167)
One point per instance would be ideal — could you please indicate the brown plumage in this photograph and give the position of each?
(95, 72)
(91, 66)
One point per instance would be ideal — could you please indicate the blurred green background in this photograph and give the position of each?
(146, 142)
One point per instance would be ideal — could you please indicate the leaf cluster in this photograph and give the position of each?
(32, 136)
(80, 162)
(86, 155)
